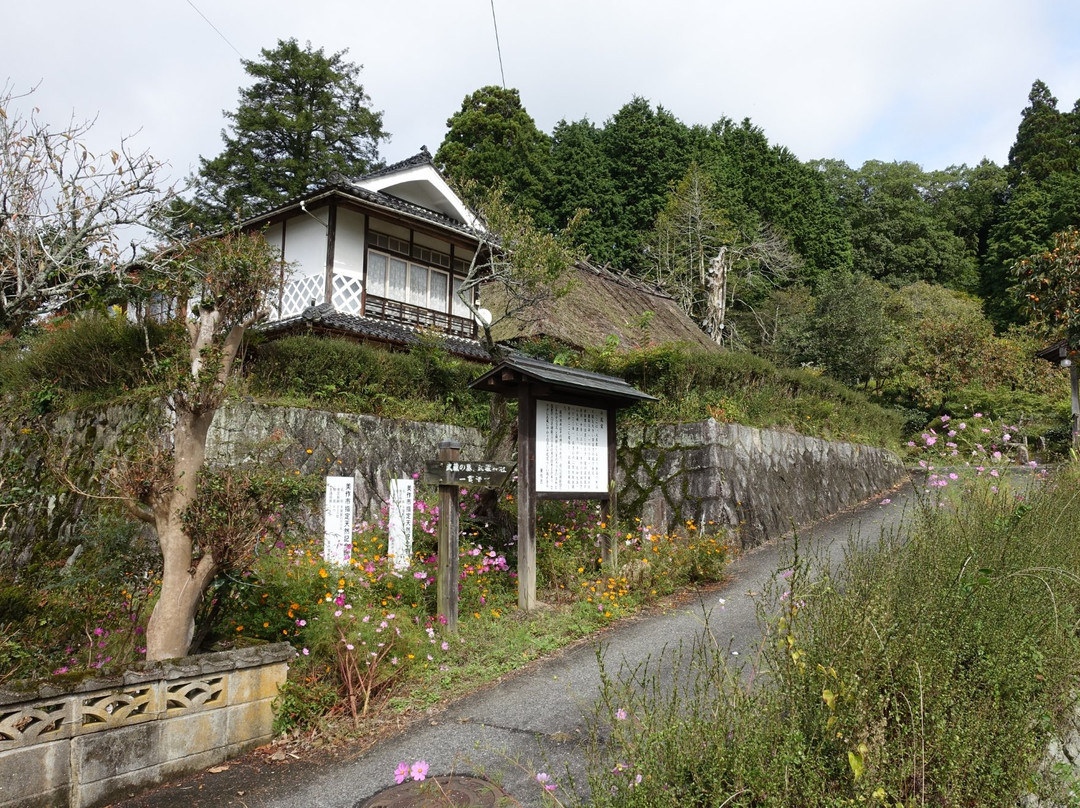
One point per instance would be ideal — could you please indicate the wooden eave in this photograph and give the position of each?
(552, 381)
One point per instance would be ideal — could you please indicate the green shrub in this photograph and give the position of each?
(424, 383)
(86, 360)
(747, 389)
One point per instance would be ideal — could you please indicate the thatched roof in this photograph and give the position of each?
(600, 304)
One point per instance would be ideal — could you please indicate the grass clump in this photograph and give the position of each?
(933, 669)
(424, 383)
(746, 389)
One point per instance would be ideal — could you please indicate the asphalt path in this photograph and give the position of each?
(535, 720)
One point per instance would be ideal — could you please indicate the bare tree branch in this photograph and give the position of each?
(65, 213)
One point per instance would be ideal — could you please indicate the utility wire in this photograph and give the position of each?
(498, 47)
(227, 42)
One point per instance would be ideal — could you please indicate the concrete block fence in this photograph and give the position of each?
(88, 743)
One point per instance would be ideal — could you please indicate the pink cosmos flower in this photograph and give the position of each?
(620, 714)
(419, 770)
(401, 773)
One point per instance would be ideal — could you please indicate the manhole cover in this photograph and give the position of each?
(456, 790)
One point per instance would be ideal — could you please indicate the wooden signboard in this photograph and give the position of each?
(566, 445)
(492, 474)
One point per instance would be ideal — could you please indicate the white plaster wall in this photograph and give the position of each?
(305, 253)
(349, 243)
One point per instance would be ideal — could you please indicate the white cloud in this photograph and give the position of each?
(930, 81)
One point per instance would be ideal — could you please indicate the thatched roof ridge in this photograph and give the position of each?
(601, 303)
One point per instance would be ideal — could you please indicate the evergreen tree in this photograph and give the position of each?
(1044, 141)
(581, 180)
(763, 185)
(647, 152)
(1042, 198)
(493, 141)
(303, 121)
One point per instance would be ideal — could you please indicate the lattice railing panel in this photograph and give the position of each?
(198, 693)
(117, 708)
(348, 293)
(299, 293)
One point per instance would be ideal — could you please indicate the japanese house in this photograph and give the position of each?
(382, 258)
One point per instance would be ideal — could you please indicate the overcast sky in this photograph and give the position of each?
(937, 82)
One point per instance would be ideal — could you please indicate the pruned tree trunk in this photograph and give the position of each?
(183, 581)
(716, 295)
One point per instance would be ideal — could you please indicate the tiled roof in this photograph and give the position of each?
(423, 158)
(505, 377)
(326, 316)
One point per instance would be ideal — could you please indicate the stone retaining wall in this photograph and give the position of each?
(97, 739)
(761, 482)
(370, 449)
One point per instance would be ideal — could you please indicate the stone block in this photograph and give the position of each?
(101, 755)
(255, 684)
(33, 773)
(186, 735)
(250, 722)
(103, 792)
(177, 767)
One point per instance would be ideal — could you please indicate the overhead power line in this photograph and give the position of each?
(227, 42)
(498, 47)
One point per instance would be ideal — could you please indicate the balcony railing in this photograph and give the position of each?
(397, 312)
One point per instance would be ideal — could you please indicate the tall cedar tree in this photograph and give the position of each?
(648, 151)
(1042, 198)
(305, 119)
(493, 141)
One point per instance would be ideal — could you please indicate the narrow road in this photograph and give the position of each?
(535, 721)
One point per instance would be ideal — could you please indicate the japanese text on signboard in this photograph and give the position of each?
(338, 520)
(571, 448)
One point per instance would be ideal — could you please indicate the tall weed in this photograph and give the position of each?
(931, 669)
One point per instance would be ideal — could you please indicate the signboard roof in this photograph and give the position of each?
(517, 369)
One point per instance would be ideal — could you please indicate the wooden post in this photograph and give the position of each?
(448, 541)
(526, 490)
(1074, 385)
(609, 511)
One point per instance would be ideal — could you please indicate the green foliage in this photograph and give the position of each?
(853, 337)
(581, 182)
(492, 141)
(646, 151)
(1050, 283)
(303, 120)
(303, 700)
(79, 606)
(932, 669)
(424, 384)
(746, 389)
(904, 225)
(86, 360)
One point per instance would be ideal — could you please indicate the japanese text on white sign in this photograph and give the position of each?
(571, 448)
(338, 520)
(402, 495)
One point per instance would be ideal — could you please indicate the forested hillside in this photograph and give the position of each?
(892, 276)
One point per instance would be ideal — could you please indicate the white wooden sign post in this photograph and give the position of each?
(338, 520)
(402, 501)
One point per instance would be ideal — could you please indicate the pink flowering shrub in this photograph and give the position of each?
(974, 445)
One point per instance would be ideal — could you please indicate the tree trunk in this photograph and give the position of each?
(183, 580)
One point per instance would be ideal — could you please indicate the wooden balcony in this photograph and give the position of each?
(397, 312)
